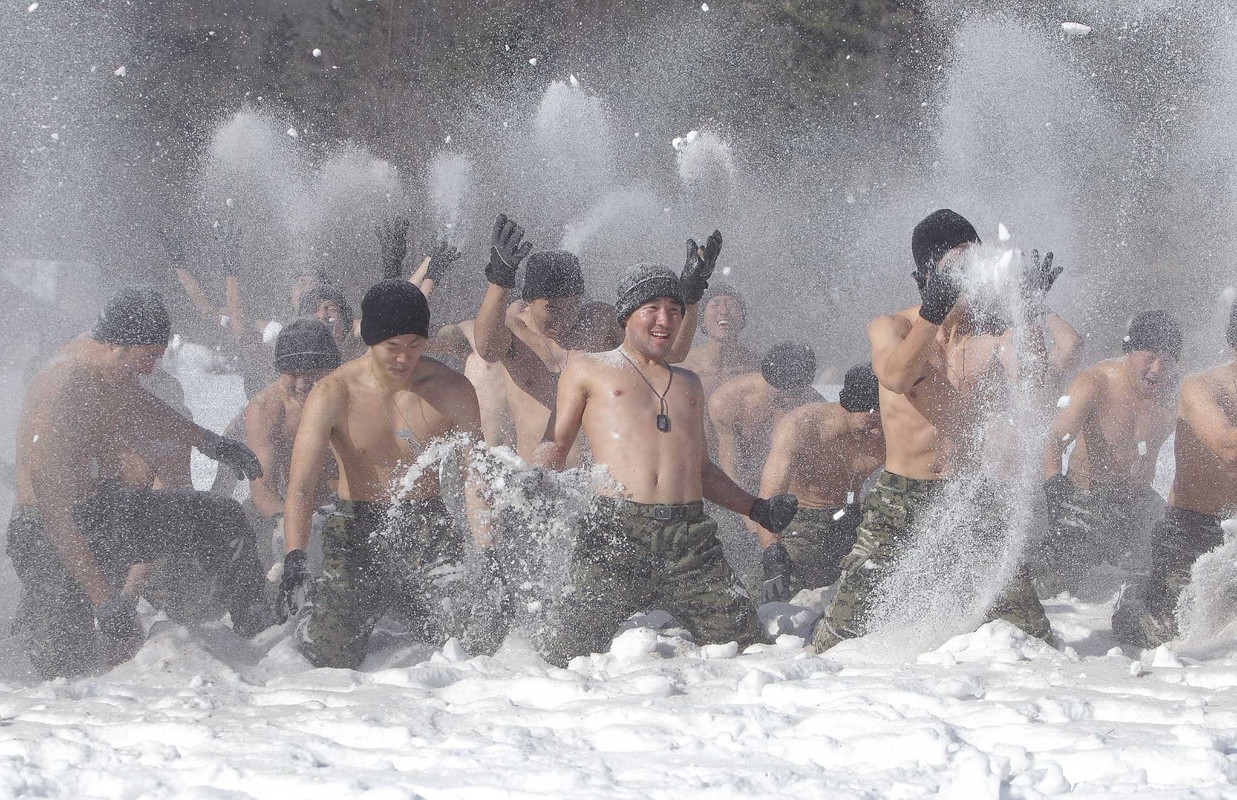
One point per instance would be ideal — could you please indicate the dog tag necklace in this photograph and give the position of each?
(663, 419)
(404, 434)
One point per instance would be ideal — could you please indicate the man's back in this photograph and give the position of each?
(1206, 443)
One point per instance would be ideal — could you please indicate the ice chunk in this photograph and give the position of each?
(1075, 30)
(120, 71)
(573, 80)
(1002, 232)
(704, 6)
(1142, 448)
(293, 132)
(1063, 401)
(33, 7)
(447, 140)
(532, 61)
(841, 512)
(317, 53)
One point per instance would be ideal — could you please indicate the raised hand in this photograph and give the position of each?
(442, 257)
(1037, 279)
(939, 290)
(507, 250)
(701, 261)
(393, 241)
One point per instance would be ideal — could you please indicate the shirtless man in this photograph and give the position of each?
(305, 353)
(382, 551)
(822, 453)
(327, 304)
(745, 410)
(647, 542)
(1118, 412)
(488, 379)
(78, 537)
(936, 375)
(536, 343)
(1204, 493)
(722, 356)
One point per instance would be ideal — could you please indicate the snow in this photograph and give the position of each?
(988, 714)
(1075, 30)
(120, 71)
(317, 52)
(33, 7)
(1063, 401)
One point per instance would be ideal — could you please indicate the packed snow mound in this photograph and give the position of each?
(997, 642)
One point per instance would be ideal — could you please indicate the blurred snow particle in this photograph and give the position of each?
(94, 68)
(120, 72)
(33, 7)
(55, 137)
(704, 6)
(1075, 30)
(532, 61)
(1063, 401)
(725, 270)
(317, 53)
(447, 140)
(1142, 448)
(1002, 232)
(230, 203)
(680, 142)
(575, 82)
(850, 198)
(1228, 295)
(293, 133)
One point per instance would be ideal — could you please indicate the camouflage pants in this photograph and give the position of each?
(197, 531)
(407, 560)
(1146, 611)
(890, 513)
(629, 560)
(817, 539)
(1095, 527)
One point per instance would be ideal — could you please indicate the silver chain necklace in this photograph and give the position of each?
(663, 419)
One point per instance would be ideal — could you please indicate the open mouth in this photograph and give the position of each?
(660, 336)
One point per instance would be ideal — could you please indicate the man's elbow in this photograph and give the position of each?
(898, 383)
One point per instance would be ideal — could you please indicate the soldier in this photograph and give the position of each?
(723, 355)
(647, 542)
(822, 453)
(936, 370)
(388, 547)
(1204, 492)
(80, 539)
(1118, 412)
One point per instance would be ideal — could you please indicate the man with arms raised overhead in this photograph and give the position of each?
(647, 543)
(1118, 412)
(79, 538)
(1204, 493)
(822, 453)
(536, 343)
(385, 549)
(937, 375)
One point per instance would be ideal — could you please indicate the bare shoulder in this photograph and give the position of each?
(808, 418)
(1209, 384)
(689, 376)
(730, 398)
(897, 324)
(265, 403)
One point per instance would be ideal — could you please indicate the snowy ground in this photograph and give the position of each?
(993, 714)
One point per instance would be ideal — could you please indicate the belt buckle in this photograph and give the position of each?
(663, 512)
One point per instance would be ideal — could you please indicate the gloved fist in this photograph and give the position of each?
(122, 633)
(777, 566)
(442, 257)
(939, 291)
(701, 261)
(1036, 281)
(507, 250)
(775, 513)
(393, 241)
(293, 585)
(231, 453)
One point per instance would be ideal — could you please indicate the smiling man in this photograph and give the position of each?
(647, 542)
(391, 546)
(1118, 413)
(723, 354)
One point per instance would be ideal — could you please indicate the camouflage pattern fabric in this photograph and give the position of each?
(1111, 525)
(817, 539)
(122, 526)
(629, 561)
(405, 559)
(890, 513)
(1145, 615)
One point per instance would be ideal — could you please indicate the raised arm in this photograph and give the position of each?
(567, 416)
(1067, 345)
(491, 335)
(1069, 421)
(900, 351)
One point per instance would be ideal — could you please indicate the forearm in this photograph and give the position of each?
(76, 556)
(298, 512)
(478, 513)
(137, 578)
(265, 499)
(683, 339)
(908, 361)
(491, 336)
(720, 489)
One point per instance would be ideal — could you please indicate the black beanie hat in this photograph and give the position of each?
(305, 345)
(643, 283)
(789, 366)
(1231, 334)
(1154, 332)
(133, 316)
(552, 273)
(860, 390)
(325, 292)
(391, 308)
(937, 234)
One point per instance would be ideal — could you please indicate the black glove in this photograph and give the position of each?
(940, 291)
(507, 250)
(775, 513)
(122, 633)
(232, 453)
(701, 261)
(1037, 279)
(777, 567)
(292, 586)
(443, 256)
(1058, 490)
(393, 240)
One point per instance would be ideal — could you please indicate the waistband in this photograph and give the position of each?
(369, 508)
(1191, 519)
(899, 483)
(666, 513)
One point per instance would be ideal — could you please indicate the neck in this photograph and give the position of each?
(635, 355)
(384, 380)
(721, 348)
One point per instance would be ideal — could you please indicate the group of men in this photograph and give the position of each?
(104, 504)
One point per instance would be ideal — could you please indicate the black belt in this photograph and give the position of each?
(657, 511)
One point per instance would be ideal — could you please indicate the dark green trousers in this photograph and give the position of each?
(817, 539)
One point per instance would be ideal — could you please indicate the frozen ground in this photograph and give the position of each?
(993, 714)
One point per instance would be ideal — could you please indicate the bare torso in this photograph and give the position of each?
(744, 411)
(1204, 482)
(490, 381)
(715, 365)
(826, 463)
